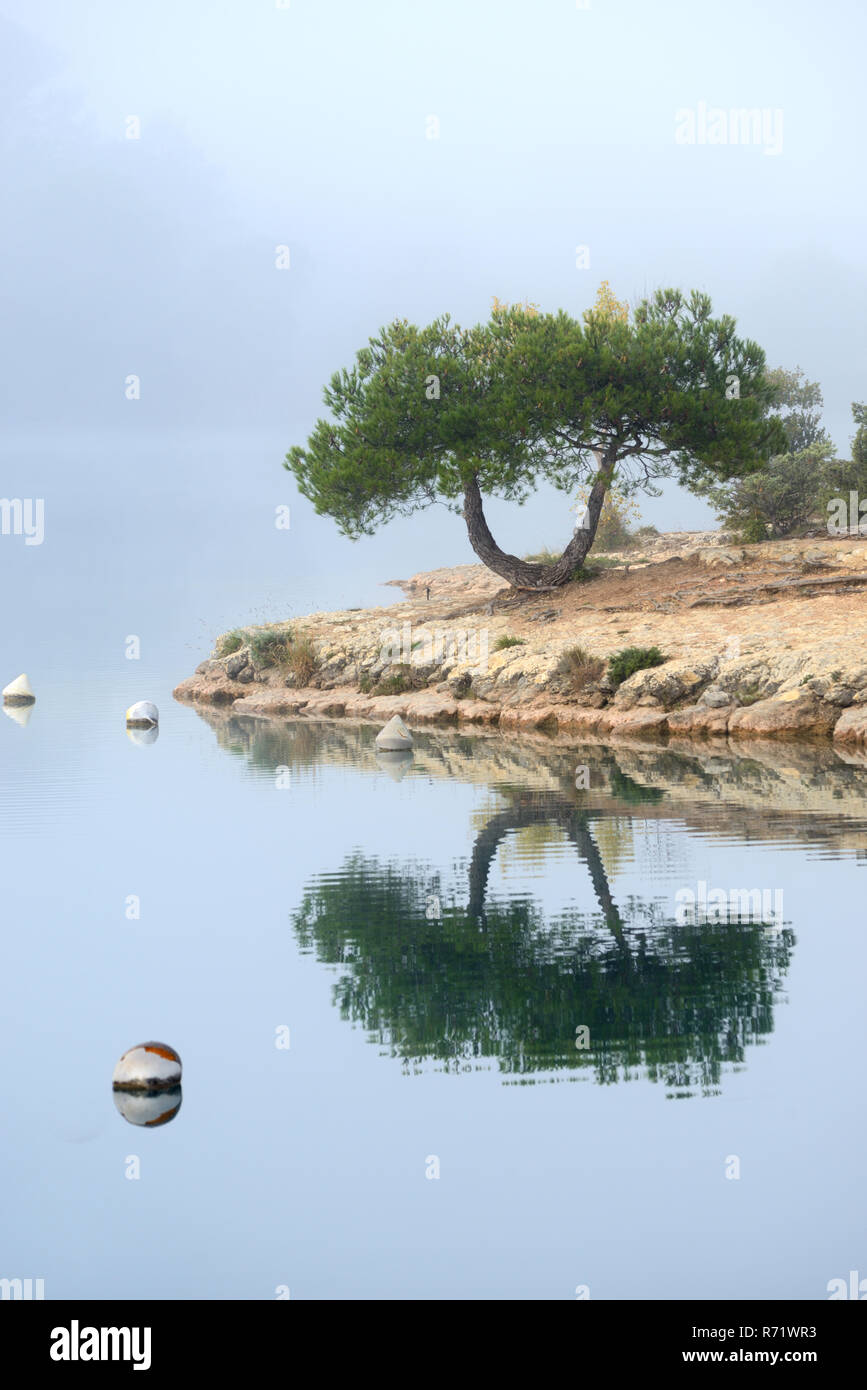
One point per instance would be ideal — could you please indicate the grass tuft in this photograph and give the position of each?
(580, 667)
(230, 642)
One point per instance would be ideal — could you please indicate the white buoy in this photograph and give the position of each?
(395, 736)
(18, 692)
(142, 715)
(394, 762)
(142, 735)
(149, 1108)
(150, 1066)
(20, 713)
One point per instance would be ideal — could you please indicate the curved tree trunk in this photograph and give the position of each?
(521, 574)
(574, 823)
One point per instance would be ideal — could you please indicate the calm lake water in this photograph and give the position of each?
(516, 1065)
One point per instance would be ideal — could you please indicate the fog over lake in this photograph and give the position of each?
(432, 934)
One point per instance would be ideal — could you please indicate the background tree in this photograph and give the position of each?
(799, 404)
(791, 491)
(444, 414)
(781, 499)
(859, 443)
(845, 476)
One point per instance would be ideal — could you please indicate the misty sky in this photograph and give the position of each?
(307, 126)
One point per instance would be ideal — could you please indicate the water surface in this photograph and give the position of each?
(430, 937)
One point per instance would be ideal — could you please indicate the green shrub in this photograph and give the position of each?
(624, 664)
(503, 642)
(781, 499)
(752, 530)
(230, 642)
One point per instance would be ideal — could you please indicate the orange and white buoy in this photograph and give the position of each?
(150, 1066)
(148, 1108)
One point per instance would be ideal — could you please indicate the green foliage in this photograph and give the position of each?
(751, 530)
(793, 490)
(631, 659)
(503, 642)
(230, 642)
(782, 498)
(859, 443)
(799, 405)
(844, 476)
(527, 397)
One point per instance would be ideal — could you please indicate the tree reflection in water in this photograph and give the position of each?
(499, 979)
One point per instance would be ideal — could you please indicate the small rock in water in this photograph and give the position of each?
(142, 714)
(395, 736)
(150, 1066)
(149, 1108)
(18, 692)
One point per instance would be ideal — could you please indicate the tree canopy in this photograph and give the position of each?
(447, 414)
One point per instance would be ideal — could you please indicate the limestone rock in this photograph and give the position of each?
(851, 727)
(792, 711)
(720, 556)
(715, 698)
(674, 681)
(700, 719)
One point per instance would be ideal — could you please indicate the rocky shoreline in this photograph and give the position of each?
(761, 641)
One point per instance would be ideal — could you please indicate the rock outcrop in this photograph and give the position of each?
(764, 641)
